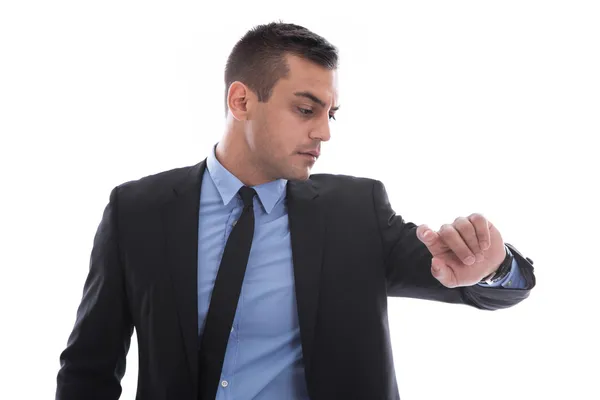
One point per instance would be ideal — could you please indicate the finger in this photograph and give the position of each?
(467, 231)
(443, 273)
(482, 229)
(431, 239)
(455, 242)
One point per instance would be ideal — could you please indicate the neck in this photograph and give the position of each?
(234, 154)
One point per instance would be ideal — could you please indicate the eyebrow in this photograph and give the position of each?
(314, 98)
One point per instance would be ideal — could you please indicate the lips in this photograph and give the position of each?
(314, 153)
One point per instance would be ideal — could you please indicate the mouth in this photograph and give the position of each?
(313, 153)
(310, 156)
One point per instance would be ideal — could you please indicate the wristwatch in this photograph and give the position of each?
(502, 271)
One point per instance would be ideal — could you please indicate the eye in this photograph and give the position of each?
(306, 112)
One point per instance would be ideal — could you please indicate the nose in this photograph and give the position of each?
(322, 132)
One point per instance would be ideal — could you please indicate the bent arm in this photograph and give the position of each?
(408, 265)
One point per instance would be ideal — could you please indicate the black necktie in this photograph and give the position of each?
(224, 299)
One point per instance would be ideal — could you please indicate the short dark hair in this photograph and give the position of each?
(258, 58)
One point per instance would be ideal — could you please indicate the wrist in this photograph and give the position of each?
(502, 271)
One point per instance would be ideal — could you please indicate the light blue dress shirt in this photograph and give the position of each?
(263, 360)
(264, 354)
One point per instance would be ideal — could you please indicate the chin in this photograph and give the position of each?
(298, 175)
(304, 175)
(296, 171)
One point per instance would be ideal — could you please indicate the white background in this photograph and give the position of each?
(457, 106)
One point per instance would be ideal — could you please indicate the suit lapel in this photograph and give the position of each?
(307, 230)
(180, 217)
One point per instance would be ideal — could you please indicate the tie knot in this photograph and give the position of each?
(247, 195)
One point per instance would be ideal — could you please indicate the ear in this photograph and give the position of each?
(240, 100)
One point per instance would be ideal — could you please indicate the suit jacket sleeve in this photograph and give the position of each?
(407, 264)
(93, 363)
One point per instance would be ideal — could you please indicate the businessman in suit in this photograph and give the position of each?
(246, 277)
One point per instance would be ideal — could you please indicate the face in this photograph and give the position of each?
(282, 132)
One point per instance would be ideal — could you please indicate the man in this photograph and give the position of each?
(246, 277)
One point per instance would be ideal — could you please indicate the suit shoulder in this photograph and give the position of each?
(151, 190)
(341, 179)
(343, 184)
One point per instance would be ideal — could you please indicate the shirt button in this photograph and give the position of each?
(234, 222)
(224, 383)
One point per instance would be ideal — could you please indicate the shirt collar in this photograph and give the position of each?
(228, 184)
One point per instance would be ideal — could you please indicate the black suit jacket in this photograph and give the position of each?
(350, 252)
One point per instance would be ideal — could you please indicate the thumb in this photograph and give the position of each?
(431, 239)
(442, 273)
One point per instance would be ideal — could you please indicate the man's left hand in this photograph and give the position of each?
(465, 251)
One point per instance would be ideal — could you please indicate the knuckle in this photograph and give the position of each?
(476, 217)
(462, 223)
(446, 229)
